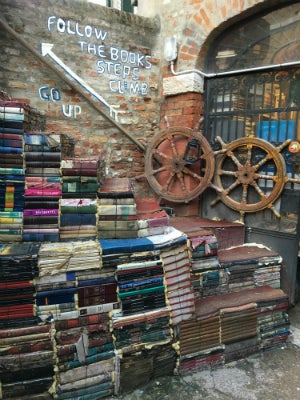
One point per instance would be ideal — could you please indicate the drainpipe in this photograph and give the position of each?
(232, 72)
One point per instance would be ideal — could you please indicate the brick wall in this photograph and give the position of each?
(119, 56)
(113, 52)
(183, 110)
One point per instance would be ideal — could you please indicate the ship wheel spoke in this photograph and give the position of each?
(157, 153)
(244, 193)
(234, 158)
(181, 180)
(158, 170)
(262, 162)
(172, 145)
(266, 177)
(168, 181)
(258, 190)
(192, 174)
(232, 187)
(228, 173)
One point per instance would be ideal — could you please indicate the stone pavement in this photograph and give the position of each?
(273, 375)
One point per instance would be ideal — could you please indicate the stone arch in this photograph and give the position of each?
(255, 38)
(204, 23)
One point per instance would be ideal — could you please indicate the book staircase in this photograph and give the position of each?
(102, 291)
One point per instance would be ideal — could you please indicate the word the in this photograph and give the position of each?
(74, 28)
(117, 55)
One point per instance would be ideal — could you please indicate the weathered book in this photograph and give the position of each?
(150, 214)
(78, 206)
(120, 209)
(42, 156)
(116, 188)
(81, 163)
(117, 225)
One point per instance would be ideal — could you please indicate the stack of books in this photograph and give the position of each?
(117, 213)
(43, 188)
(78, 207)
(12, 116)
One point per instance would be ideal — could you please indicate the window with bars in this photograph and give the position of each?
(264, 105)
(256, 89)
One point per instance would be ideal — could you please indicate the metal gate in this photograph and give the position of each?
(264, 105)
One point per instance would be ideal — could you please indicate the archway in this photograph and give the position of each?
(253, 92)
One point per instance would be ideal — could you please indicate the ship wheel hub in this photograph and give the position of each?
(177, 164)
(246, 174)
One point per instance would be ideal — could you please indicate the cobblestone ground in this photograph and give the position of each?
(273, 375)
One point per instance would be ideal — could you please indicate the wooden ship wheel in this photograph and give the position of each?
(179, 164)
(250, 175)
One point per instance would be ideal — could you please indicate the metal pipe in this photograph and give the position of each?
(69, 81)
(233, 72)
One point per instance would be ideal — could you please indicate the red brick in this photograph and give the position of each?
(187, 57)
(188, 32)
(206, 19)
(198, 19)
(175, 112)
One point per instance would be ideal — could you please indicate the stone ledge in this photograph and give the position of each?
(189, 82)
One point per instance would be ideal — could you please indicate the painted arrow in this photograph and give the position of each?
(46, 50)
